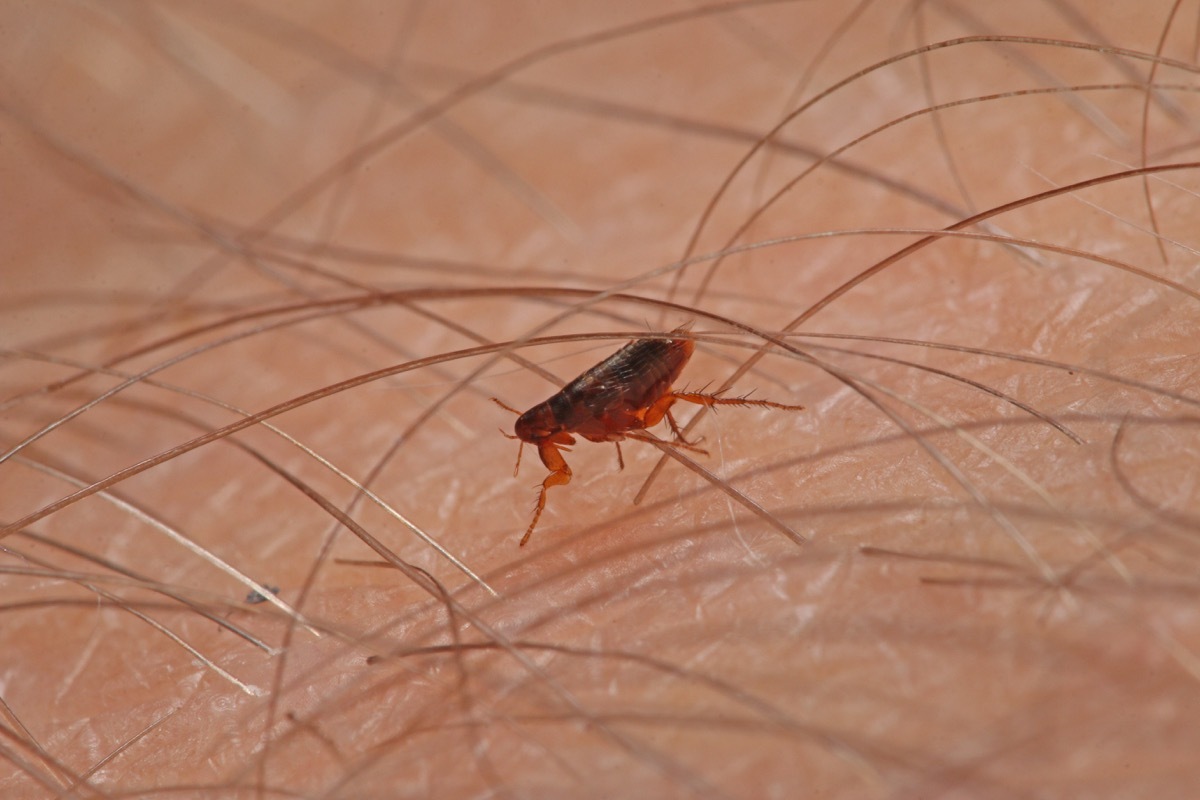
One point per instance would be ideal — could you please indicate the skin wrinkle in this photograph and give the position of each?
(303, 211)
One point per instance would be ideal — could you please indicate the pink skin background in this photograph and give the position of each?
(983, 606)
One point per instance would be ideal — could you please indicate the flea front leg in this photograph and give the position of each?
(560, 475)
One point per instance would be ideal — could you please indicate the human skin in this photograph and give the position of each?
(912, 589)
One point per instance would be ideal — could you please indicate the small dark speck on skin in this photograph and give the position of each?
(254, 598)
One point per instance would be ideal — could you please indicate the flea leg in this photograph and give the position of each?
(620, 461)
(662, 408)
(560, 475)
(678, 434)
(520, 449)
(657, 410)
(710, 400)
(505, 406)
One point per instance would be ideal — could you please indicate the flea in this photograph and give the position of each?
(617, 399)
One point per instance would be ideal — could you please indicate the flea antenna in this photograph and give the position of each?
(505, 406)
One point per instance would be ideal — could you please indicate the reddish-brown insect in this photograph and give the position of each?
(617, 399)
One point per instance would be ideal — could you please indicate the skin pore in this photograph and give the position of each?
(968, 569)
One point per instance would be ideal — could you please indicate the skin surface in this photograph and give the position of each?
(923, 590)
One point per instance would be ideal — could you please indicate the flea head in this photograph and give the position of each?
(536, 424)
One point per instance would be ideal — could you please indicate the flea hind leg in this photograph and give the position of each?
(560, 475)
(711, 400)
(660, 408)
